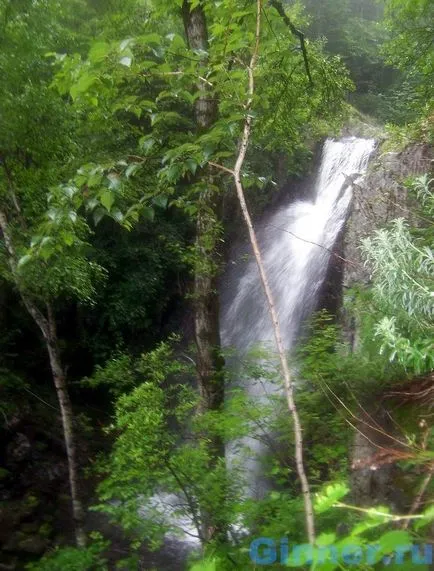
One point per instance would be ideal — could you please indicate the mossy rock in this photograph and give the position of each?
(30, 527)
(34, 544)
(32, 501)
(21, 542)
(14, 511)
(45, 530)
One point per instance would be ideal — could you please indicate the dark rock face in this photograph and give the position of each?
(378, 199)
(34, 500)
(373, 478)
(331, 292)
(19, 448)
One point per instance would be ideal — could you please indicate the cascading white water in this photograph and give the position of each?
(295, 242)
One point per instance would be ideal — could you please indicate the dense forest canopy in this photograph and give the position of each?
(136, 139)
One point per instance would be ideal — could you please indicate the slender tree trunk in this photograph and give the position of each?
(209, 362)
(289, 389)
(59, 379)
(47, 327)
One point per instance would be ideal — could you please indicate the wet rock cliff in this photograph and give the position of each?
(379, 198)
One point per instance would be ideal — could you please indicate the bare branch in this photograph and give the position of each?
(361, 421)
(222, 168)
(315, 244)
(288, 385)
(370, 511)
(167, 73)
(418, 499)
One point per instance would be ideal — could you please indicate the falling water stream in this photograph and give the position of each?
(296, 242)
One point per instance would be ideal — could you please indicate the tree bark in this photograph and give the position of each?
(288, 385)
(209, 361)
(47, 326)
(59, 379)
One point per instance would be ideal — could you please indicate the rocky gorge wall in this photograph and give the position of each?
(381, 197)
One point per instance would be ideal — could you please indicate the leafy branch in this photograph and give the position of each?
(298, 33)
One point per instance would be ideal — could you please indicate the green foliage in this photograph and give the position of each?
(423, 185)
(387, 48)
(37, 144)
(117, 374)
(148, 455)
(160, 453)
(403, 275)
(207, 565)
(403, 271)
(331, 495)
(365, 546)
(74, 559)
(410, 46)
(354, 30)
(372, 541)
(335, 377)
(97, 138)
(163, 96)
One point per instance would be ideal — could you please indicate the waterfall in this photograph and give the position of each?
(296, 243)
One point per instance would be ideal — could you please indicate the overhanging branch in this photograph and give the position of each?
(296, 32)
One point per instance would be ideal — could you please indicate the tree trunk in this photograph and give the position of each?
(209, 361)
(59, 379)
(47, 327)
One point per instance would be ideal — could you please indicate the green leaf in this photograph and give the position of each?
(146, 143)
(46, 240)
(191, 165)
(148, 213)
(131, 169)
(325, 539)
(150, 39)
(53, 214)
(91, 204)
(99, 51)
(94, 180)
(125, 44)
(35, 240)
(332, 494)
(117, 215)
(83, 84)
(393, 539)
(107, 199)
(301, 555)
(24, 260)
(160, 201)
(98, 215)
(172, 173)
(178, 41)
(114, 181)
(428, 517)
(68, 238)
